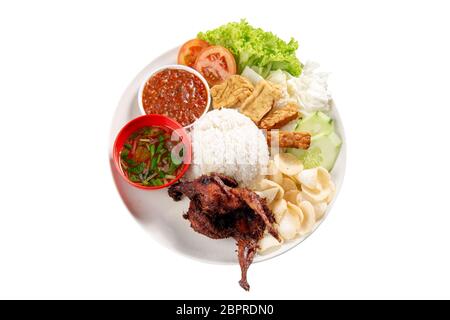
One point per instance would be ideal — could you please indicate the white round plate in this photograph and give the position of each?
(161, 216)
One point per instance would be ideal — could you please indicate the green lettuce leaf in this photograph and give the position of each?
(255, 48)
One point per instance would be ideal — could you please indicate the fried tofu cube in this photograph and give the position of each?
(261, 101)
(231, 93)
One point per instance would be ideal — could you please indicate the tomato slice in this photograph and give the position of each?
(216, 64)
(190, 50)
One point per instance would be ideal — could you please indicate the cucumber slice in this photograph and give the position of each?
(329, 145)
(310, 158)
(316, 123)
(323, 151)
(299, 153)
(325, 143)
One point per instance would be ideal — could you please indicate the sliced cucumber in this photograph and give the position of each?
(299, 153)
(316, 123)
(329, 145)
(323, 151)
(325, 143)
(311, 158)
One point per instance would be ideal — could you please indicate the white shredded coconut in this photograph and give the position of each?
(227, 142)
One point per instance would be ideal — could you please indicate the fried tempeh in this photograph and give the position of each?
(277, 118)
(296, 140)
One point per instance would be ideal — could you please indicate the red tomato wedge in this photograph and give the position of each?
(216, 64)
(190, 50)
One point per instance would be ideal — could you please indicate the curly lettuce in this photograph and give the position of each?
(255, 48)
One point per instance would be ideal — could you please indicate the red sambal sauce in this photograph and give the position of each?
(177, 94)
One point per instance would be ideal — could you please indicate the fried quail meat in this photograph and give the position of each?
(219, 209)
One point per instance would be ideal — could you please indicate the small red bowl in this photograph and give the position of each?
(154, 120)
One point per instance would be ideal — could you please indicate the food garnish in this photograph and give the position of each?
(175, 93)
(216, 64)
(189, 52)
(219, 209)
(311, 158)
(253, 47)
(325, 143)
(316, 123)
(147, 157)
(329, 146)
(231, 93)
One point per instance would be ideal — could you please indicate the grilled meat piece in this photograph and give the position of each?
(218, 210)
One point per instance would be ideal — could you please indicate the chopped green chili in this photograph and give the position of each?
(146, 157)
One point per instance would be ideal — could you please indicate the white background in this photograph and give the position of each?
(64, 231)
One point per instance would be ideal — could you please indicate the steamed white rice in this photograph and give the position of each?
(225, 141)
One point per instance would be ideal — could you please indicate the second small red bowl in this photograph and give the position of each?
(152, 120)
